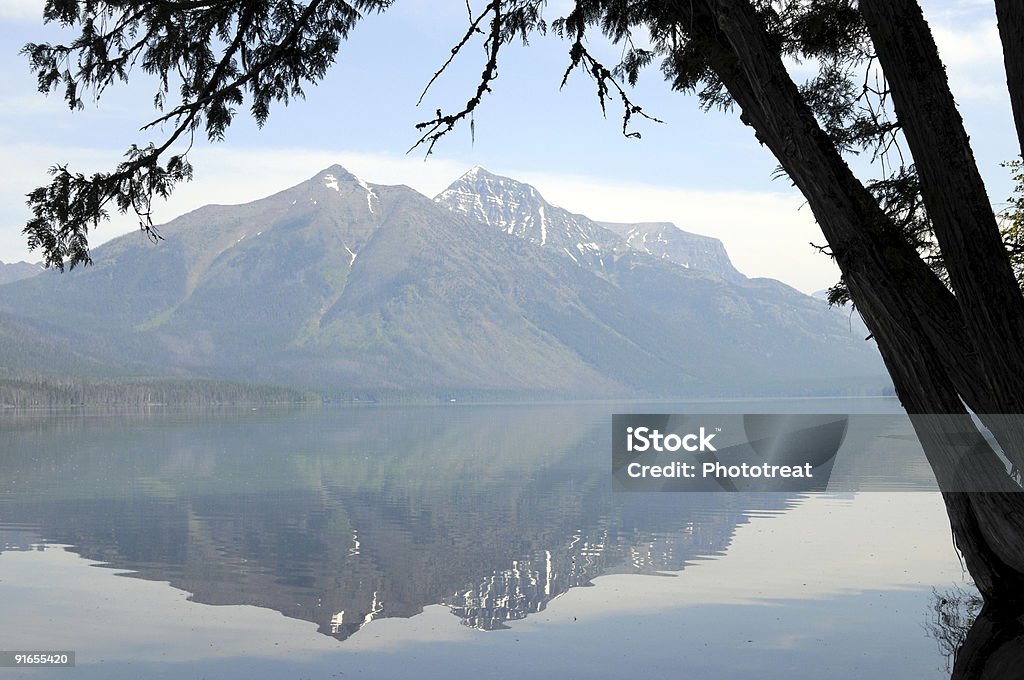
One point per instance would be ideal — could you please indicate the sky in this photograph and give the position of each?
(703, 171)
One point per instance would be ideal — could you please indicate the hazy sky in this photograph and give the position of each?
(705, 172)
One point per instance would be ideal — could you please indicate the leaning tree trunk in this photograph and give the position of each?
(938, 348)
(1011, 33)
(965, 227)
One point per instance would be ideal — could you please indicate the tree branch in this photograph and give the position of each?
(209, 94)
(275, 62)
(470, 32)
(442, 124)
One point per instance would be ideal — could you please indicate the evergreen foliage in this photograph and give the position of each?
(209, 57)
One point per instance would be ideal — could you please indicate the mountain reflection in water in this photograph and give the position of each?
(346, 516)
(341, 516)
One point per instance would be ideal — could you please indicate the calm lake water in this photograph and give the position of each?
(442, 541)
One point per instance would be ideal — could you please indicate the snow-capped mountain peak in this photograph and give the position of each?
(518, 209)
(336, 177)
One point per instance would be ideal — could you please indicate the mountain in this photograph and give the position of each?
(18, 270)
(340, 285)
(667, 241)
(518, 209)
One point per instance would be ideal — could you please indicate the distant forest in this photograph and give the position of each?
(34, 393)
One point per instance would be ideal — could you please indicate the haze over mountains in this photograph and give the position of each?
(340, 285)
(14, 271)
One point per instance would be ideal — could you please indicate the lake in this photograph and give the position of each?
(439, 541)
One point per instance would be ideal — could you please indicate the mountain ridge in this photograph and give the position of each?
(340, 284)
(519, 209)
(15, 271)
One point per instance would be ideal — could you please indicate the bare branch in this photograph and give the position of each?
(603, 77)
(474, 29)
(442, 124)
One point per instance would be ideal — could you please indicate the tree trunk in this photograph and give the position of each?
(955, 196)
(937, 349)
(1011, 33)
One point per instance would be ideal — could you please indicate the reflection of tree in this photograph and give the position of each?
(993, 648)
(953, 612)
(979, 642)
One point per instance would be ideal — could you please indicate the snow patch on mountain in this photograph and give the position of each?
(332, 180)
(370, 195)
(543, 225)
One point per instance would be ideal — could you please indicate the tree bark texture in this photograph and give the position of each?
(938, 348)
(1010, 14)
(954, 193)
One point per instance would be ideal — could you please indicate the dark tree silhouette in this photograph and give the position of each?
(977, 645)
(920, 249)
